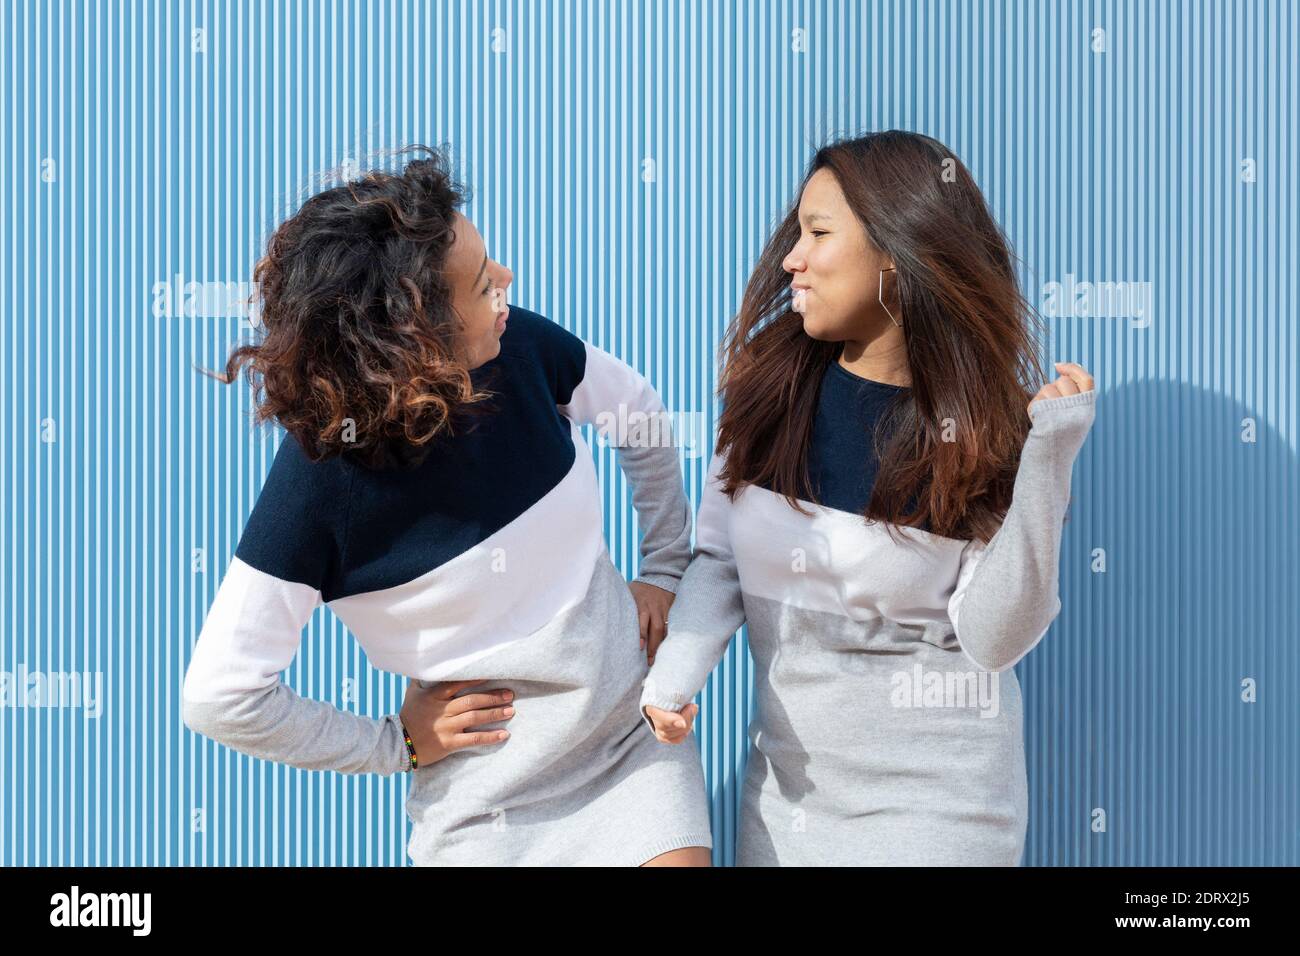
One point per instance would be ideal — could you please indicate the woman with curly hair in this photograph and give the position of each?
(435, 492)
(884, 508)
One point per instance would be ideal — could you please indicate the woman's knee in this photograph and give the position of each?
(685, 856)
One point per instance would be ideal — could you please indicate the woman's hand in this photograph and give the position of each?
(670, 727)
(652, 606)
(439, 722)
(1075, 379)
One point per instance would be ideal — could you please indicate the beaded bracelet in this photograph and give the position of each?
(410, 747)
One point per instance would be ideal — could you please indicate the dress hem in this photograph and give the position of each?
(674, 843)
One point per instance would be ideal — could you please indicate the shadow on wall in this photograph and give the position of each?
(1141, 742)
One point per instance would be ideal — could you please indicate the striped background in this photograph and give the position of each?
(627, 161)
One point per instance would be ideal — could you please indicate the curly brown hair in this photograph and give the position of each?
(359, 352)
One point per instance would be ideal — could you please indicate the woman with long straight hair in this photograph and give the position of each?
(435, 492)
(884, 508)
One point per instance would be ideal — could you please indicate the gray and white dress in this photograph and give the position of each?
(485, 560)
(888, 724)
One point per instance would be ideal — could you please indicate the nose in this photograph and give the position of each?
(507, 277)
(794, 261)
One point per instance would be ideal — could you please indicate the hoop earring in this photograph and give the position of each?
(880, 296)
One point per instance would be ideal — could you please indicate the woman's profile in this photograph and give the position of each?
(884, 508)
(433, 489)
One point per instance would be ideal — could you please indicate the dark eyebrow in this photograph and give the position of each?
(814, 216)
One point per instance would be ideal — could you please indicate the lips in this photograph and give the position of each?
(800, 300)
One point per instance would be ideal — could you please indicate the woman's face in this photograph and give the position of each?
(835, 269)
(478, 293)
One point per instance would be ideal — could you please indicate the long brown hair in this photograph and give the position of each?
(955, 435)
(358, 351)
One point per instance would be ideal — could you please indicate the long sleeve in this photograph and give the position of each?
(232, 691)
(1007, 593)
(706, 613)
(629, 414)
